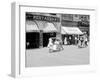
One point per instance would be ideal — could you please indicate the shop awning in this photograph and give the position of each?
(71, 30)
(49, 27)
(31, 26)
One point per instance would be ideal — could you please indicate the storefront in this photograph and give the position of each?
(39, 28)
(32, 35)
(48, 31)
(71, 34)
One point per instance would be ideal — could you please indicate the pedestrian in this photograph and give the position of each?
(86, 41)
(80, 42)
(56, 45)
(60, 44)
(70, 40)
(65, 40)
(50, 44)
(76, 40)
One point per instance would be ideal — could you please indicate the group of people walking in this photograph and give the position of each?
(55, 45)
(81, 41)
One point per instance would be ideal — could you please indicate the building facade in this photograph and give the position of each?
(40, 27)
(76, 20)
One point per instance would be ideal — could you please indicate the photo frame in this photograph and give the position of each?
(18, 37)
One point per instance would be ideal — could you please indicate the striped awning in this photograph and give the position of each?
(49, 27)
(31, 26)
(70, 30)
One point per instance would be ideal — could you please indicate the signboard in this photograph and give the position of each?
(42, 18)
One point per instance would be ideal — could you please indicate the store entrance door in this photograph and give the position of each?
(46, 37)
(32, 40)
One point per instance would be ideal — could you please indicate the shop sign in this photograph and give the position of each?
(43, 18)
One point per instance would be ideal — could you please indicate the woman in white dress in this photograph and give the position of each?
(65, 41)
(50, 44)
(56, 45)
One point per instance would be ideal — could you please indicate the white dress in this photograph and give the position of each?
(55, 46)
(65, 41)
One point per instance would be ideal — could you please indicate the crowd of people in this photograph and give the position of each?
(81, 41)
(57, 45)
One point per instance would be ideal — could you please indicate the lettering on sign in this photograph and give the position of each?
(42, 18)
